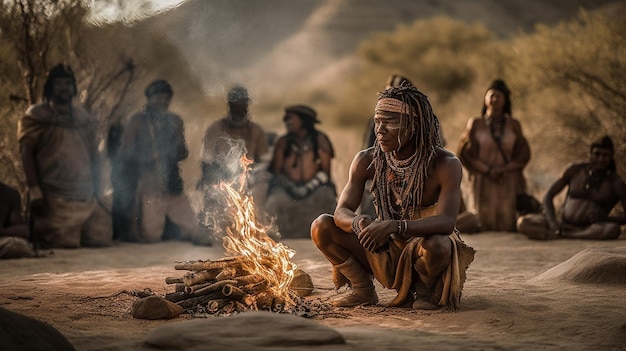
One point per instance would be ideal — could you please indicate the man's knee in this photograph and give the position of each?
(437, 246)
(320, 226)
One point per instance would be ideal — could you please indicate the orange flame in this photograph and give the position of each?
(249, 239)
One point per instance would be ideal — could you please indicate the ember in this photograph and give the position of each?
(256, 275)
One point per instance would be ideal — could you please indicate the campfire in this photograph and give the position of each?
(256, 274)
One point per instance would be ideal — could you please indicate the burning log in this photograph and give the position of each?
(193, 278)
(233, 292)
(228, 262)
(211, 287)
(214, 306)
(172, 280)
(200, 300)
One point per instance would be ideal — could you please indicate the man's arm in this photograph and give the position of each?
(548, 199)
(352, 193)
(278, 158)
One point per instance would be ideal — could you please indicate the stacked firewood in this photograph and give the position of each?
(221, 287)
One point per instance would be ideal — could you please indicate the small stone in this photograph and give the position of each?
(155, 307)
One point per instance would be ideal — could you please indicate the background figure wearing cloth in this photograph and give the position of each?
(594, 188)
(494, 151)
(58, 146)
(153, 144)
(225, 141)
(302, 187)
(411, 246)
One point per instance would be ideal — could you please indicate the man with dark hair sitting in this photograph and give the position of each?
(594, 188)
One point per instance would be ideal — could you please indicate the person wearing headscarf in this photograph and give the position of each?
(594, 189)
(411, 245)
(225, 142)
(301, 187)
(58, 145)
(151, 148)
(495, 152)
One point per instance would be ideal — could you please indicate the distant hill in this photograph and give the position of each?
(273, 44)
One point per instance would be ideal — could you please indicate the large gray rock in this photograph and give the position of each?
(19, 332)
(247, 331)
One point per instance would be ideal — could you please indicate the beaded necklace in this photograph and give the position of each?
(400, 174)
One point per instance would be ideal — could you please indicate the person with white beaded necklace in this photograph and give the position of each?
(411, 246)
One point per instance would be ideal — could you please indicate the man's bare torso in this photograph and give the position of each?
(584, 205)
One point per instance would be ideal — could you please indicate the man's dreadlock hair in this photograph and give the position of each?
(419, 121)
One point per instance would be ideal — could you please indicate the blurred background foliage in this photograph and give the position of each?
(568, 81)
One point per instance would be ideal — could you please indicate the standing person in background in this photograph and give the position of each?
(301, 187)
(58, 145)
(494, 151)
(224, 143)
(152, 146)
(13, 229)
(594, 188)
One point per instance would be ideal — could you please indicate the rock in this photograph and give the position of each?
(155, 307)
(19, 332)
(244, 332)
(302, 284)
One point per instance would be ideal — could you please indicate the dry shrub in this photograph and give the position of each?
(568, 82)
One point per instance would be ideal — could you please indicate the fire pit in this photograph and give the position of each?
(256, 273)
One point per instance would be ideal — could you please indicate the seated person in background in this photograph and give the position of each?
(594, 188)
(224, 143)
(301, 188)
(13, 231)
(58, 146)
(152, 147)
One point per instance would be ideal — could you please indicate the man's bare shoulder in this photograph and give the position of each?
(446, 157)
(216, 126)
(257, 127)
(474, 122)
(39, 111)
(574, 169)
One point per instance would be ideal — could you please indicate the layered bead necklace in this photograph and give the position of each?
(397, 189)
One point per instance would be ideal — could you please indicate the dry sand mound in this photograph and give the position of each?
(247, 331)
(597, 266)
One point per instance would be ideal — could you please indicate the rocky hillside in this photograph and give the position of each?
(272, 44)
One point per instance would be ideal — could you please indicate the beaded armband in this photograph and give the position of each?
(356, 229)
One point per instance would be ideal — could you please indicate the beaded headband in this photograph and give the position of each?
(392, 105)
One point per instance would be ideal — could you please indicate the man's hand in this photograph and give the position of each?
(376, 234)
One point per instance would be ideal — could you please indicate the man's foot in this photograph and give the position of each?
(358, 298)
(420, 304)
(422, 297)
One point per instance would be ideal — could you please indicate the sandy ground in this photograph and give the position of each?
(504, 306)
